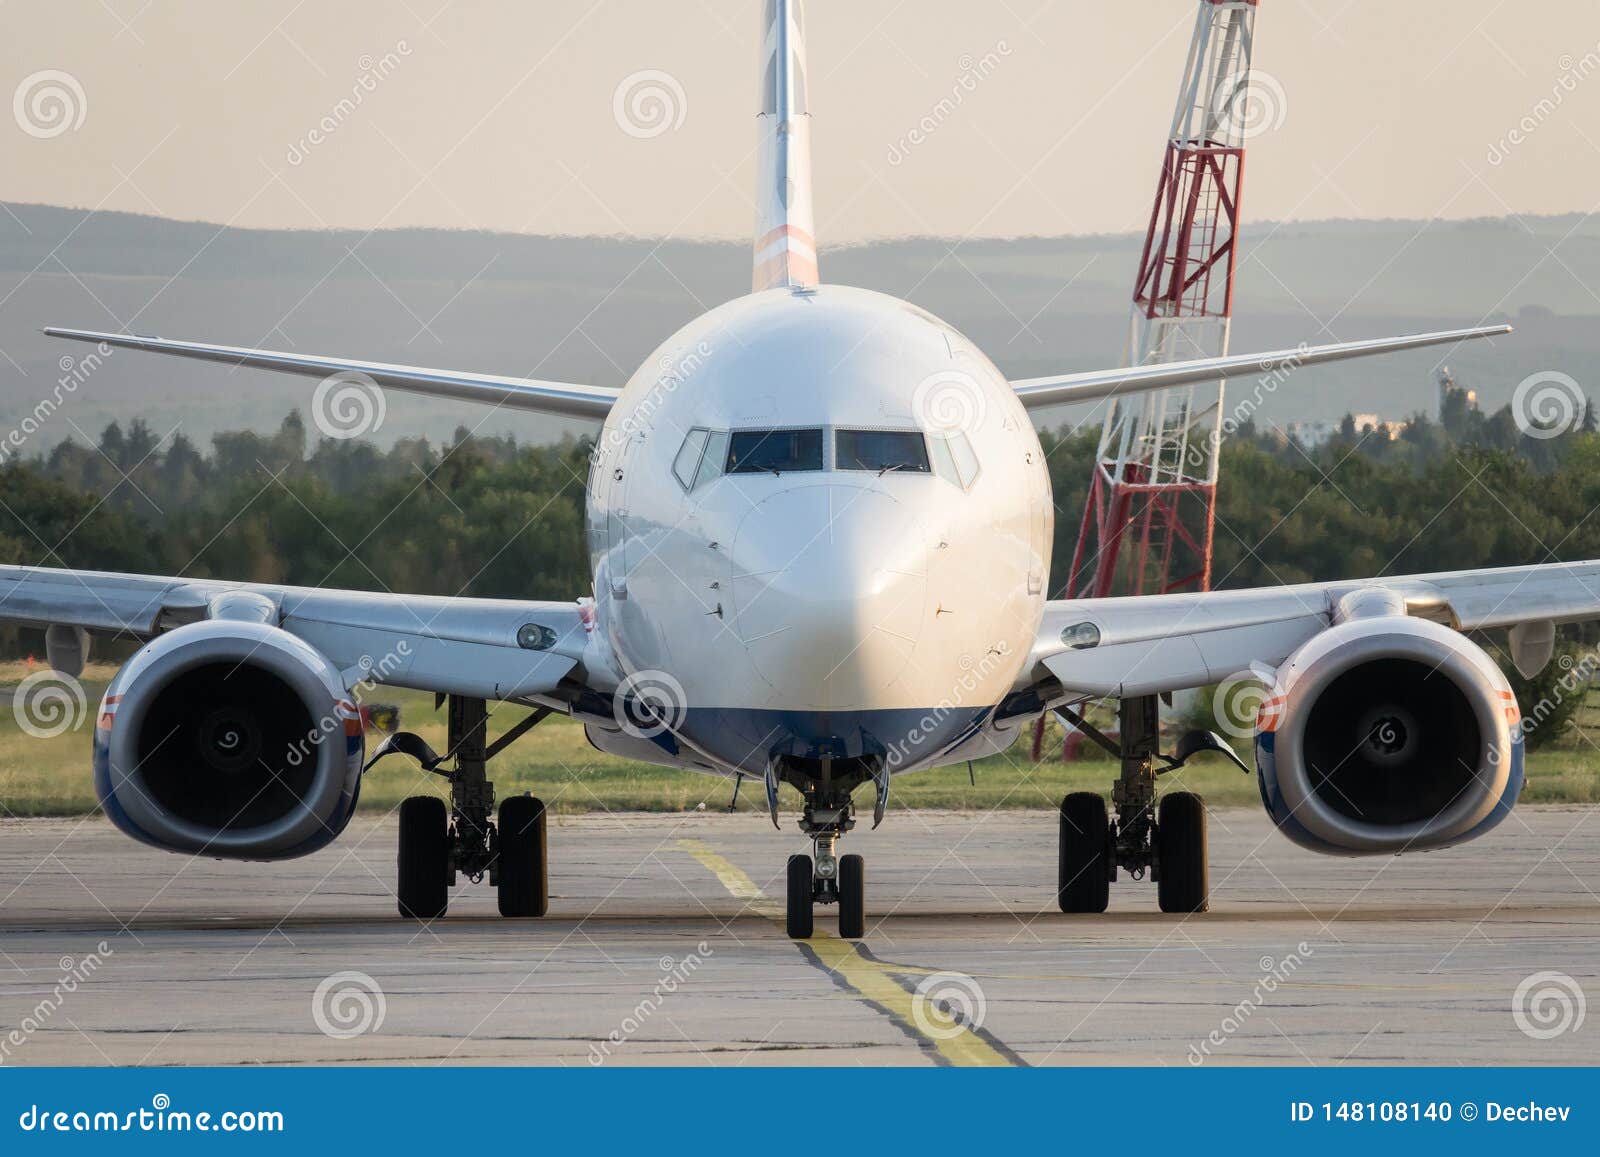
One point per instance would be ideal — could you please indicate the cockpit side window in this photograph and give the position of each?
(774, 451)
(953, 459)
(687, 463)
(902, 451)
(712, 461)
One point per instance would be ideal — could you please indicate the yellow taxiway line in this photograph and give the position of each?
(874, 981)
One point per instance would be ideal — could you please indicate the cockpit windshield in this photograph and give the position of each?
(705, 455)
(774, 451)
(881, 450)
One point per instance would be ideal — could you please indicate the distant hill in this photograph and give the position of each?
(590, 309)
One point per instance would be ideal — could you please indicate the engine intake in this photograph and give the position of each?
(230, 739)
(1387, 735)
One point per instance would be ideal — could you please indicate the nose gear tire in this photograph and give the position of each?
(852, 897)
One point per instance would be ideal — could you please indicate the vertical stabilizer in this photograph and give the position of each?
(785, 247)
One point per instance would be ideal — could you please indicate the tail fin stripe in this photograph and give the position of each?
(786, 231)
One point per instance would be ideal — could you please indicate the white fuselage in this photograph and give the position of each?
(821, 612)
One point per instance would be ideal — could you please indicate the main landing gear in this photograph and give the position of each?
(438, 842)
(1167, 840)
(825, 877)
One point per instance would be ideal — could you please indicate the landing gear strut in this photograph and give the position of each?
(435, 844)
(826, 877)
(1168, 842)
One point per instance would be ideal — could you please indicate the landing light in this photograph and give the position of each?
(536, 637)
(1080, 636)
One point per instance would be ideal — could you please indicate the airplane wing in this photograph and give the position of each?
(1060, 389)
(1146, 645)
(579, 401)
(487, 648)
(562, 398)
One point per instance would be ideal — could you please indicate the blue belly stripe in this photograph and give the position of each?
(749, 737)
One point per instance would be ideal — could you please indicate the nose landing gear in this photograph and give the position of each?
(825, 877)
(807, 887)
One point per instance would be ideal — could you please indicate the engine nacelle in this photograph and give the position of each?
(229, 739)
(1387, 735)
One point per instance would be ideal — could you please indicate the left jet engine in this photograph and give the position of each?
(231, 739)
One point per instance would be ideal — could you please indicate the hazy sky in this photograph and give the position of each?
(501, 114)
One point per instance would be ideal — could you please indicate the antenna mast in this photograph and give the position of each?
(1147, 524)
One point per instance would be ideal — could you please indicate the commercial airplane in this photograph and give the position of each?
(819, 524)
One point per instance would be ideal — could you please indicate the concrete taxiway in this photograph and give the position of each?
(664, 945)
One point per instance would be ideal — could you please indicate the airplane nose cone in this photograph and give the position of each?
(829, 583)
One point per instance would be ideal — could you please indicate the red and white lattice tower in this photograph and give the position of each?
(1147, 525)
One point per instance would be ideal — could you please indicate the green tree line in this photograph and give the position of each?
(492, 517)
